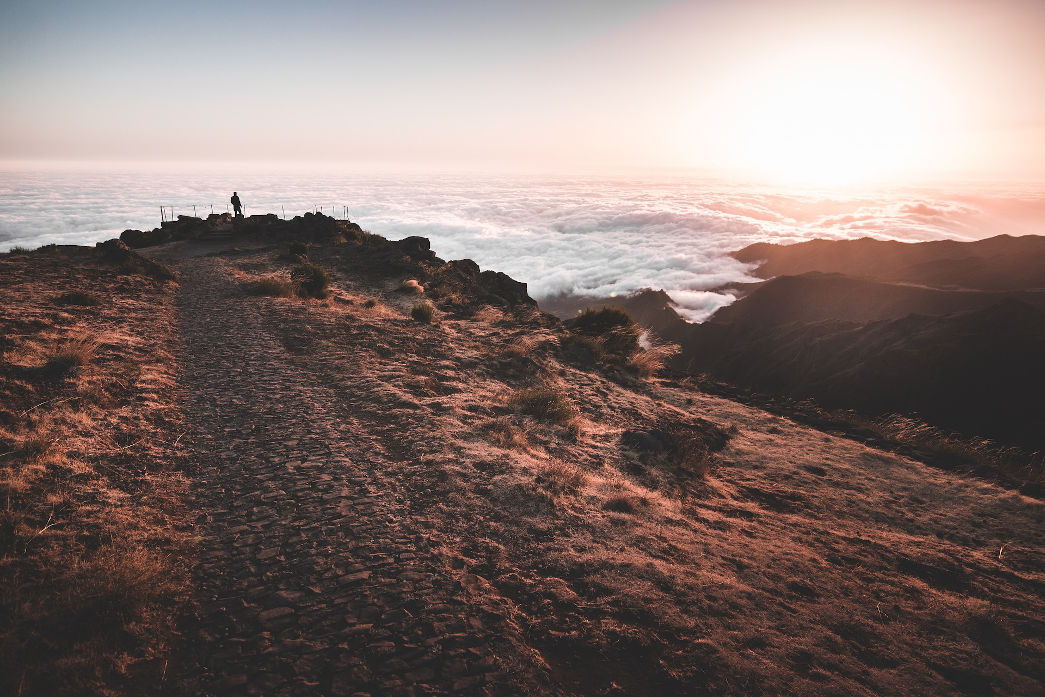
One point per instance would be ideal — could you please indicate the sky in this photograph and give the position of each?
(796, 91)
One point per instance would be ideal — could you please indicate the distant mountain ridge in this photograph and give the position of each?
(1002, 262)
(953, 332)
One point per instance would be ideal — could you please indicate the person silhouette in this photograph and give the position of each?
(236, 205)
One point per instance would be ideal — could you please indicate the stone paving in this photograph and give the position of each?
(313, 578)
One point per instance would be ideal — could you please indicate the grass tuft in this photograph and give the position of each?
(648, 362)
(545, 404)
(69, 357)
(423, 312)
(504, 434)
(272, 286)
(619, 504)
(561, 478)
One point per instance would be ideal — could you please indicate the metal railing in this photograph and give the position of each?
(167, 213)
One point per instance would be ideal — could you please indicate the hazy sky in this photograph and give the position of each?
(800, 90)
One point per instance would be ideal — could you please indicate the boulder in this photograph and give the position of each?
(133, 238)
(464, 268)
(417, 248)
(505, 287)
(114, 251)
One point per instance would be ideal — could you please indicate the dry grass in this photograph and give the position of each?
(648, 362)
(561, 478)
(1010, 465)
(273, 286)
(488, 315)
(32, 448)
(504, 434)
(962, 452)
(69, 357)
(545, 404)
(411, 286)
(520, 348)
(89, 544)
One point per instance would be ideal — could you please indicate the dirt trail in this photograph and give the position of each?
(314, 578)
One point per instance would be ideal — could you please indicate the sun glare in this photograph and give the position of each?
(837, 119)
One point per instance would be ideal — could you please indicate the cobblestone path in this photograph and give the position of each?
(313, 577)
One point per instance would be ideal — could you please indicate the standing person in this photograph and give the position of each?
(236, 205)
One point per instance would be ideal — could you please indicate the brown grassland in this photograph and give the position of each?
(620, 533)
(93, 530)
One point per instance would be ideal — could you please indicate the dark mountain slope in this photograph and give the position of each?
(814, 297)
(978, 372)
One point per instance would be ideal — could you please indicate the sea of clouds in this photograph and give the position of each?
(582, 235)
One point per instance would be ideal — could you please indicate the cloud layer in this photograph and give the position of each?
(582, 235)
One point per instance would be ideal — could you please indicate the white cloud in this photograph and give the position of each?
(593, 236)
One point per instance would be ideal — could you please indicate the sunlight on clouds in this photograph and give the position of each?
(595, 236)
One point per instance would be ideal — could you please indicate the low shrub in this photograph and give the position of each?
(272, 286)
(545, 404)
(310, 281)
(298, 249)
(684, 449)
(580, 348)
(423, 312)
(78, 297)
(598, 322)
(619, 504)
(612, 328)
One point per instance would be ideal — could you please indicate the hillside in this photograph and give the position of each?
(886, 340)
(816, 297)
(487, 503)
(997, 263)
